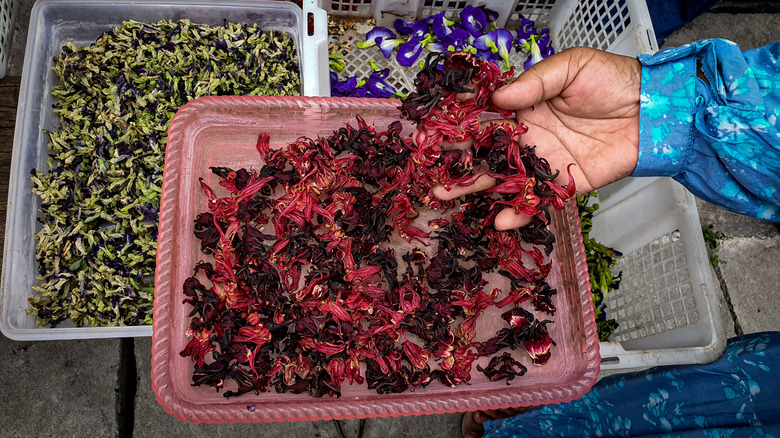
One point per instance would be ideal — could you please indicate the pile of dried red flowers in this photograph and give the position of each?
(325, 299)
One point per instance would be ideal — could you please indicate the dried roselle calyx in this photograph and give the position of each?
(387, 382)
(303, 285)
(503, 367)
(542, 297)
(537, 342)
(432, 83)
(441, 116)
(207, 231)
(518, 318)
(523, 330)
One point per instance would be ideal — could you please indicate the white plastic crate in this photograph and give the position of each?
(620, 26)
(7, 21)
(667, 304)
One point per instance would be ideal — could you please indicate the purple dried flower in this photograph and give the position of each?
(526, 29)
(442, 26)
(378, 86)
(535, 55)
(403, 27)
(420, 30)
(409, 52)
(473, 20)
(382, 37)
(490, 14)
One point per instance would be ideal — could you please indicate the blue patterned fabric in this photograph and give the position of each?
(721, 139)
(738, 395)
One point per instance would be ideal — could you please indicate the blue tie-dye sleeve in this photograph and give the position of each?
(721, 139)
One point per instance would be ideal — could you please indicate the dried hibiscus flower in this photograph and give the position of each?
(503, 367)
(306, 286)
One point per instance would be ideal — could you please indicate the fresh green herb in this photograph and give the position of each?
(600, 261)
(101, 194)
(713, 239)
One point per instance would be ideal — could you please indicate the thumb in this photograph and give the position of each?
(544, 80)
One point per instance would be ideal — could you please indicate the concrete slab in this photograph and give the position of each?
(747, 30)
(733, 224)
(63, 389)
(444, 426)
(727, 315)
(753, 283)
(742, 251)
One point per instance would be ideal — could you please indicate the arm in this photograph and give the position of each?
(715, 133)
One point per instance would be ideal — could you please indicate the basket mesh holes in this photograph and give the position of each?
(534, 10)
(453, 7)
(351, 7)
(656, 294)
(595, 25)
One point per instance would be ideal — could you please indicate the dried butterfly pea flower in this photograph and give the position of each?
(100, 192)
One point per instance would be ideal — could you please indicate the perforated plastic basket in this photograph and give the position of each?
(620, 26)
(667, 304)
(7, 20)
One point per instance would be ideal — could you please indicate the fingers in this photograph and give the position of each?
(421, 136)
(468, 96)
(509, 219)
(469, 426)
(544, 80)
(506, 219)
(483, 182)
(457, 146)
(481, 416)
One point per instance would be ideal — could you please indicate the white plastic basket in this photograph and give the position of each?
(620, 26)
(7, 20)
(667, 304)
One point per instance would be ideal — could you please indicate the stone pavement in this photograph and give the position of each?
(102, 388)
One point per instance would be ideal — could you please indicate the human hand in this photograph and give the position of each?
(581, 106)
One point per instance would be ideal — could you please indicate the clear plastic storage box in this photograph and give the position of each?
(667, 304)
(222, 132)
(54, 22)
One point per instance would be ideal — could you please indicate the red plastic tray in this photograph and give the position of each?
(222, 131)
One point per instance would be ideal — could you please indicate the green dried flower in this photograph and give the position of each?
(600, 259)
(100, 195)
